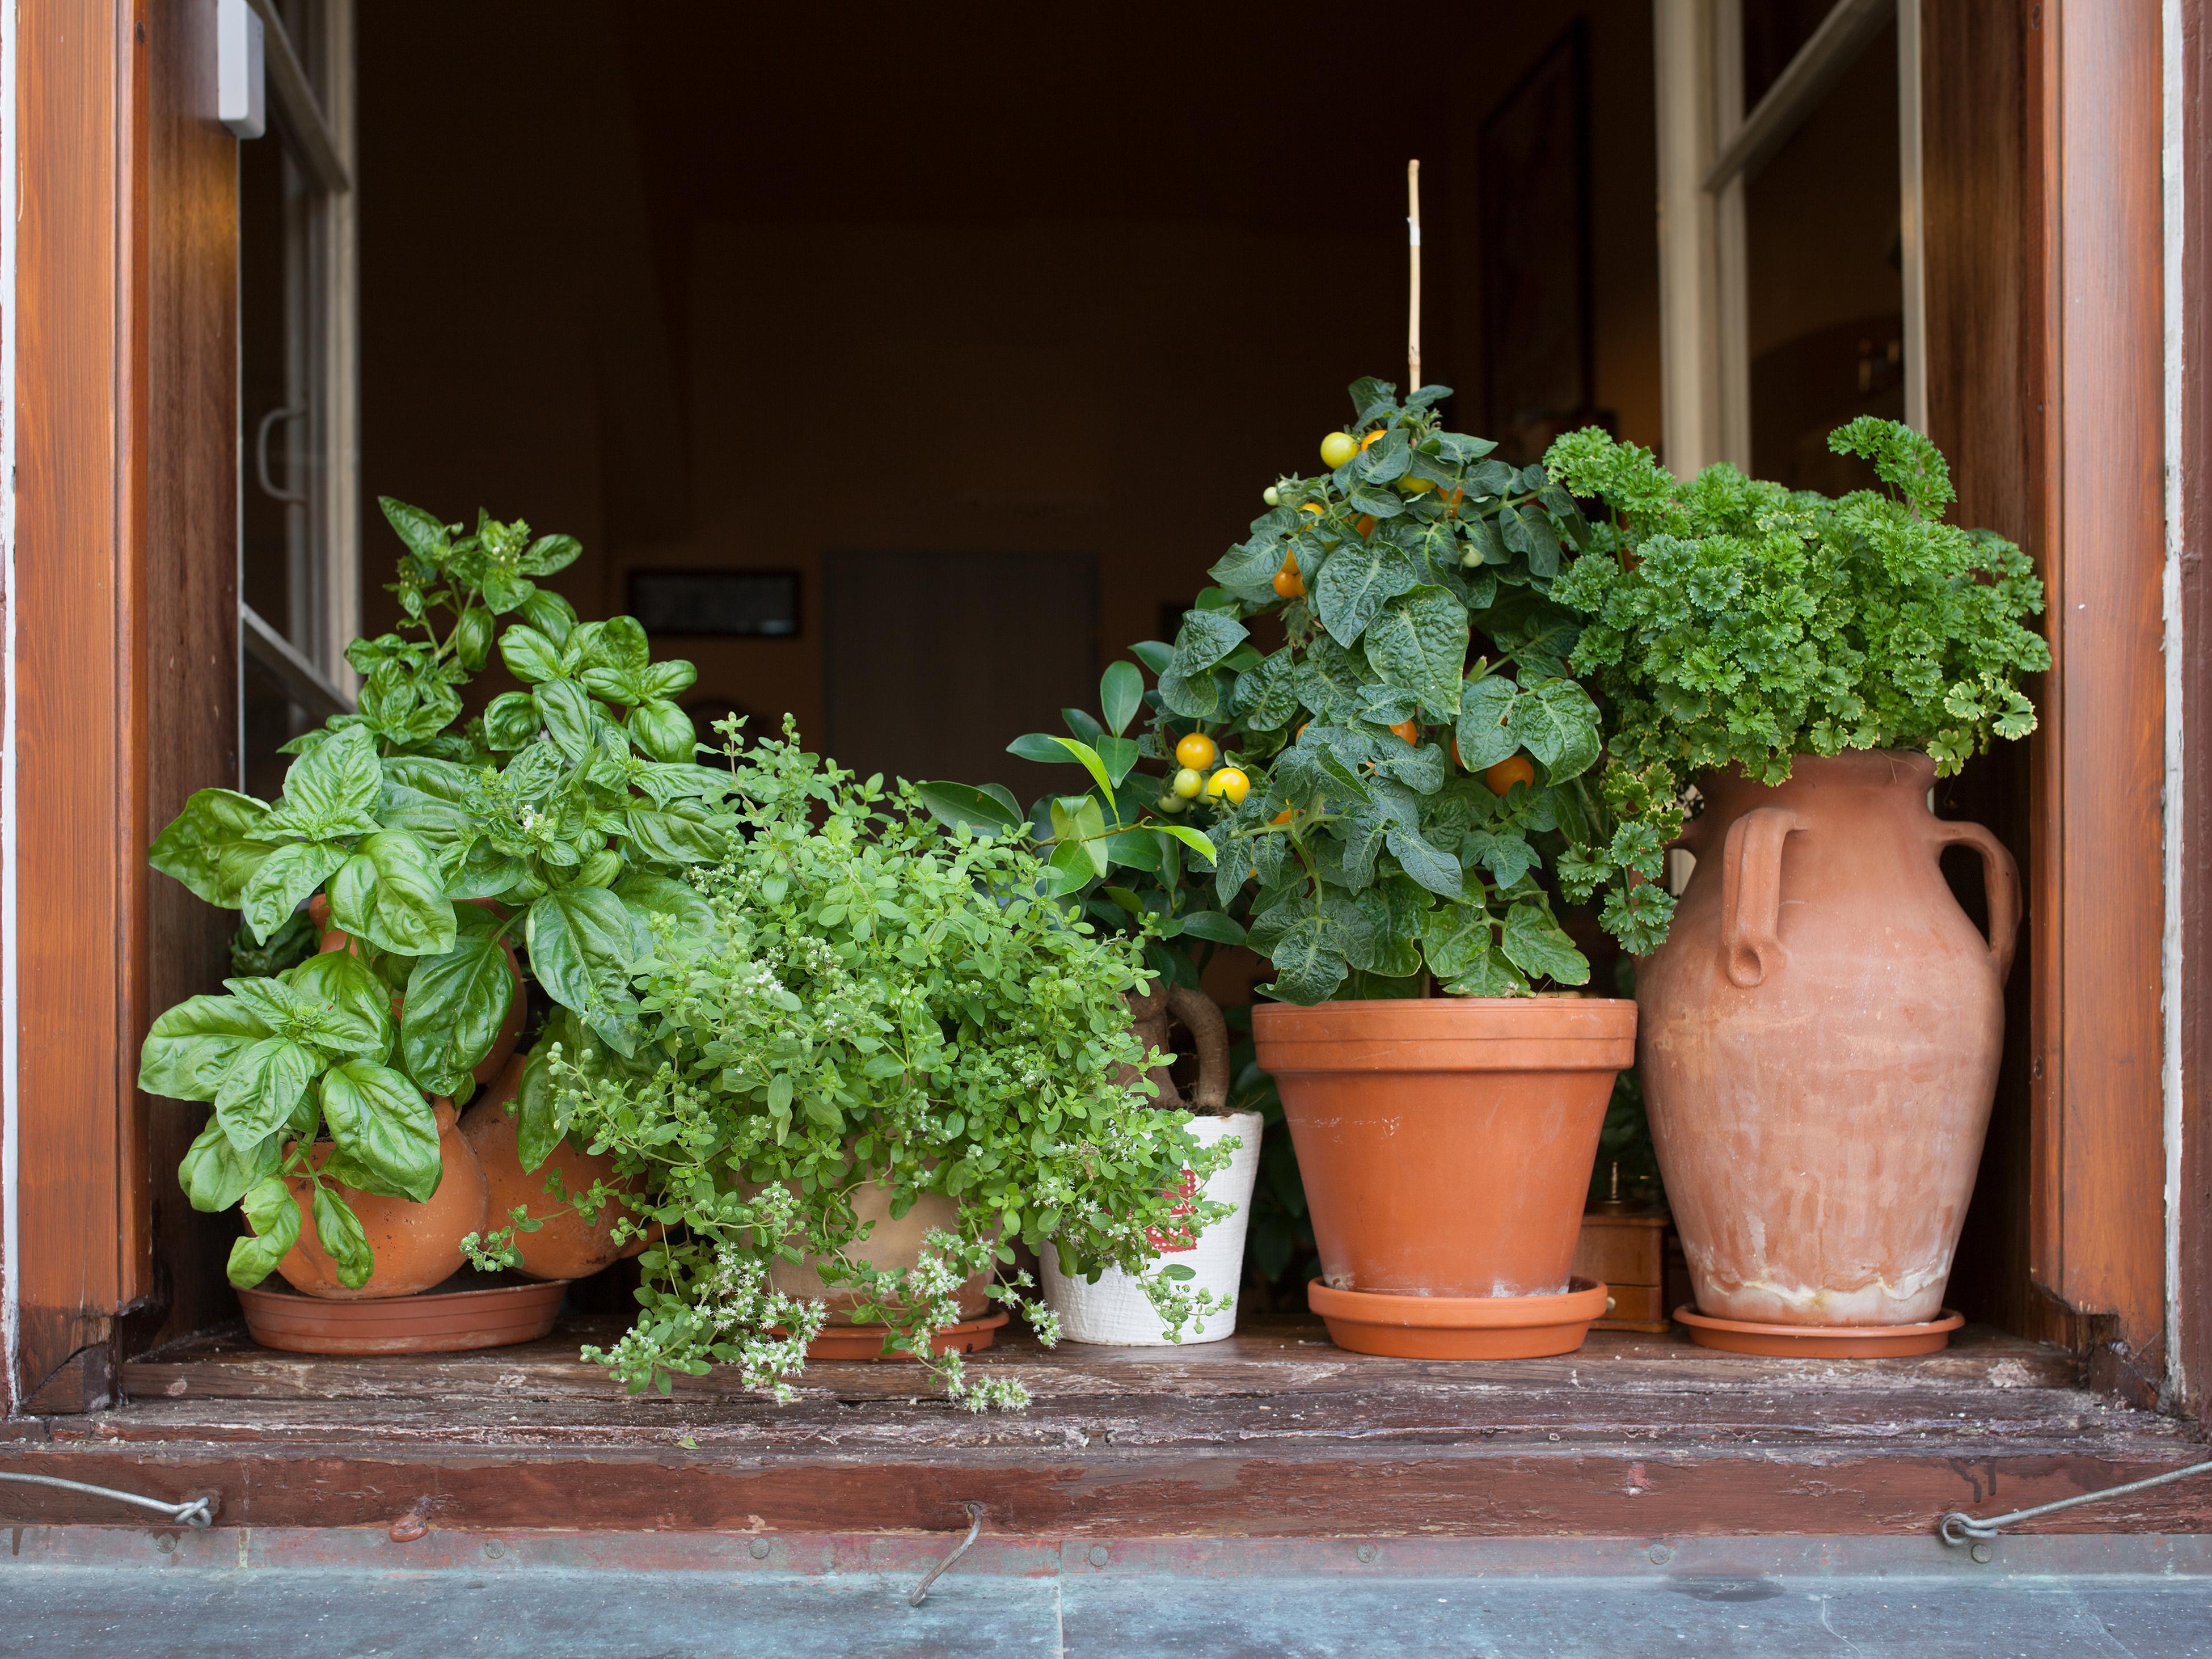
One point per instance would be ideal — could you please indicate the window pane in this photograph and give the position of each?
(1773, 30)
(1824, 257)
(262, 395)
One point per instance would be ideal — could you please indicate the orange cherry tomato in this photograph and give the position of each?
(1285, 815)
(1409, 730)
(1514, 768)
(1456, 760)
(1195, 751)
(1365, 524)
(1288, 582)
(1372, 438)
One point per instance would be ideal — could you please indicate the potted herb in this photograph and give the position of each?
(1123, 849)
(888, 1054)
(431, 845)
(1820, 1028)
(1404, 762)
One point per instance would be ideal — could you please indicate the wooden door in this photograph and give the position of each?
(125, 613)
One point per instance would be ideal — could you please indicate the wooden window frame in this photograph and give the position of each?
(123, 670)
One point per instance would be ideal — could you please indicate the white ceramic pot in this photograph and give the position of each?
(1115, 1310)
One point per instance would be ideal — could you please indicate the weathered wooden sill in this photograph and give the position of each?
(1274, 1433)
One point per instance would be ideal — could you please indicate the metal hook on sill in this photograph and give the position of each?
(974, 1530)
(198, 1512)
(1959, 1527)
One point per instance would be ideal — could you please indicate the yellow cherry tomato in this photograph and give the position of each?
(1188, 782)
(1196, 750)
(1414, 486)
(1314, 508)
(1229, 784)
(1514, 768)
(1337, 448)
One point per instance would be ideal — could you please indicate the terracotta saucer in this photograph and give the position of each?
(1820, 1341)
(463, 1313)
(866, 1341)
(1459, 1327)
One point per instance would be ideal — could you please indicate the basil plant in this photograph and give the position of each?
(558, 821)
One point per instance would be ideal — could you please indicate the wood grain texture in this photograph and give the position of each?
(2105, 709)
(76, 876)
(186, 644)
(1273, 1433)
(127, 643)
(2194, 1293)
(1982, 273)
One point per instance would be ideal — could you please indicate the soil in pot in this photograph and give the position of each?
(1446, 1145)
(510, 1029)
(417, 1245)
(1820, 1044)
(565, 1246)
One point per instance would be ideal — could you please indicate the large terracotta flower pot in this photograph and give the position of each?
(1820, 1043)
(510, 1029)
(1446, 1145)
(417, 1245)
(566, 1245)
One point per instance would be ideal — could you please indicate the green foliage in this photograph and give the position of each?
(1118, 848)
(570, 806)
(889, 1000)
(1738, 623)
(1368, 864)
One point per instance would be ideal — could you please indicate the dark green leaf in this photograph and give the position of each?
(1484, 732)
(1309, 966)
(1120, 695)
(1418, 640)
(549, 554)
(454, 1007)
(1358, 578)
(582, 942)
(955, 803)
(1538, 946)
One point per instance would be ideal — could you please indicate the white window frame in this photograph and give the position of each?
(320, 457)
(1708, 147)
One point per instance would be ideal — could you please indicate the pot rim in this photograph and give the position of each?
(1583, 1299)
(1434, 1034)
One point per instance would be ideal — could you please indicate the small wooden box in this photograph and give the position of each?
(1627, 1250)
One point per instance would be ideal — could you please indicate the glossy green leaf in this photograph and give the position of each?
(663, 730)
(529, 656)
(215, 1175)
(214, 844)
(1121, 696)
(338, 1230)
(582, 941)
(385, 1132)
(192, 1046)
(955, 803)
(456, 1003)
(391, 893)
(274, 1215)
(260, 1088)
(352, 1006)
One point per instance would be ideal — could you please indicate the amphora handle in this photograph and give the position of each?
(1211, 1032)
(1999, 880)
(1751, 894)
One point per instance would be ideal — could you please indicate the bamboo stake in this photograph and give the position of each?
(1414, 251)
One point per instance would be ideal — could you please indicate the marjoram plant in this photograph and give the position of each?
(873, 997)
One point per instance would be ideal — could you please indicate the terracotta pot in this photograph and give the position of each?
(510, 1029)
(475, 1312)
(866, 1341)
(566, 1245)
(1446, 1145)
(417, 1245)
(1820, 1043)
(890, 1246)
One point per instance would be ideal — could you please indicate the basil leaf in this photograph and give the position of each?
(262, 1084)
(391, 893)
(529, 655)
(663, 730)
(339, 1232)
(284, 877)
(215, 1175)
(647, 895)
(352, 1008)
(387, 1132)
(582, 942)
(274, 1215)
(456, 1003)
(332, 790)
(539, 1126)
(192, 1046)
(213, 846)
(549, 554)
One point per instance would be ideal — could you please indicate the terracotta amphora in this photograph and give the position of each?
(566, 1245)
(417, 1245)
(1152, 1016)
(1819, 1043)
